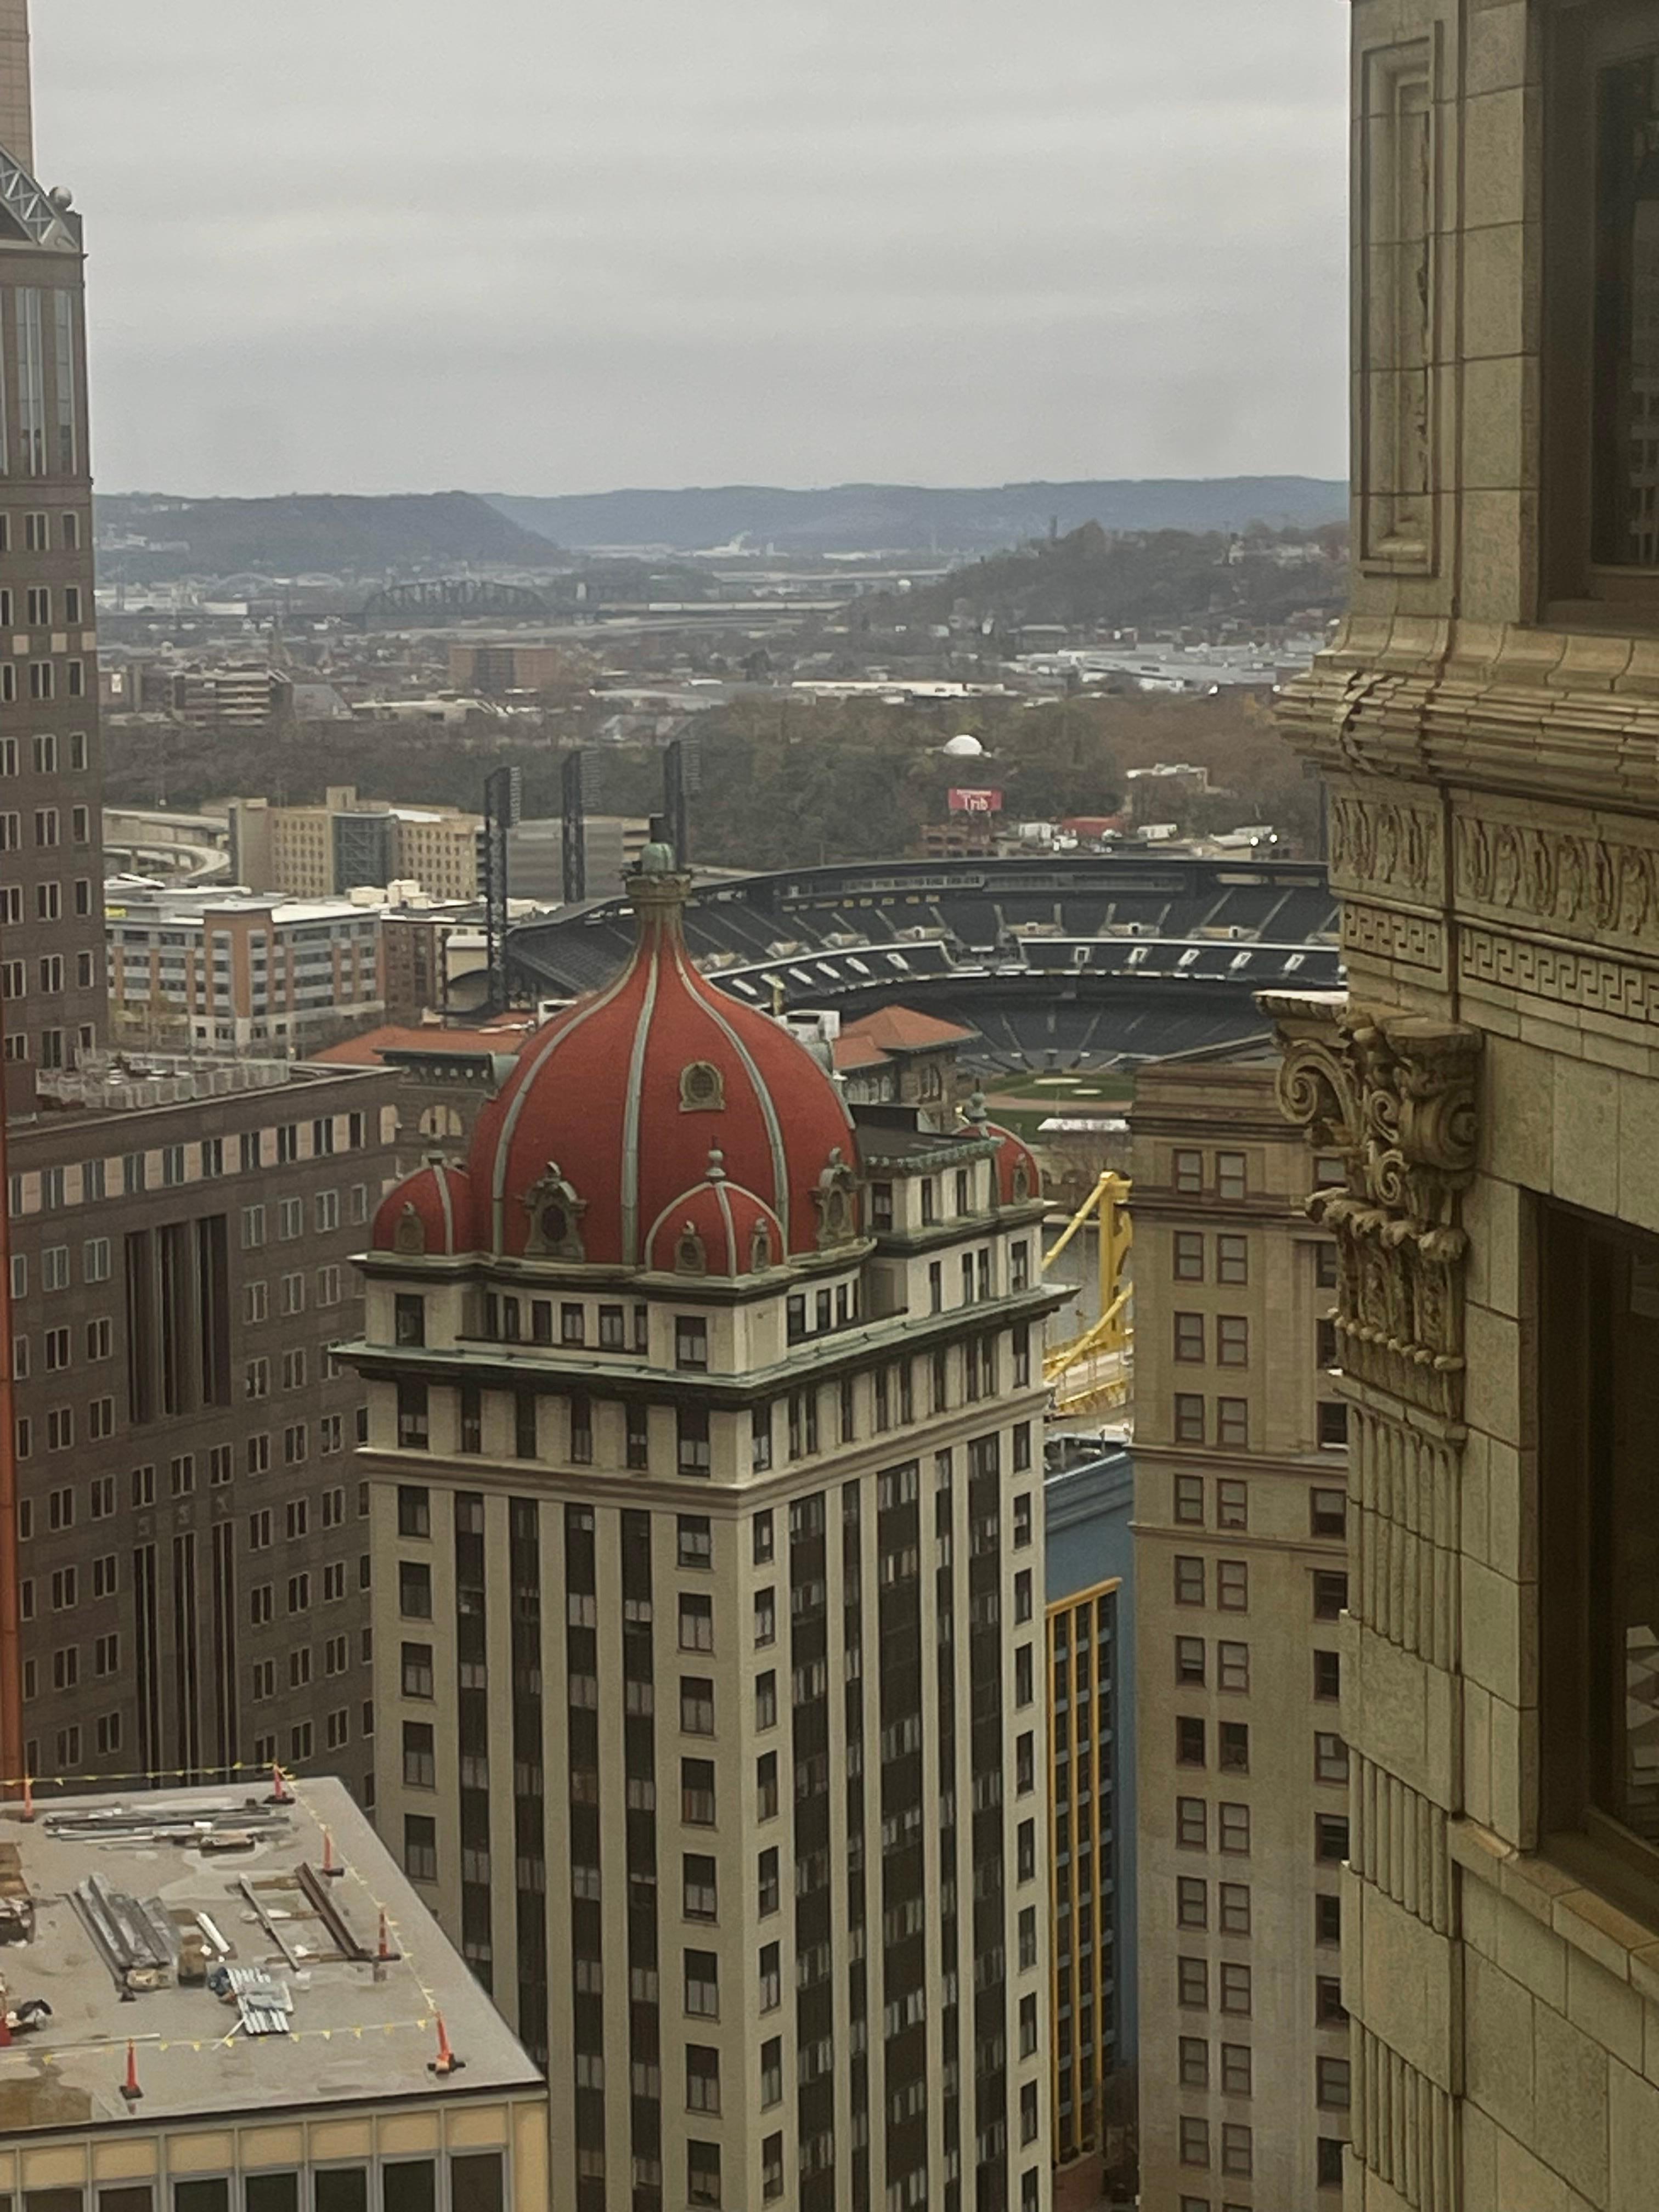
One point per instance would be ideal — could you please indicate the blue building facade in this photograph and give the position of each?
(1089, 1600)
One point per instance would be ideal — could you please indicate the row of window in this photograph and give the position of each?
(43, 681)
(34, 601)
(1232, 1829)
(1232, 1667)
(50, 1190)
(1327, 1509)
(49, 970)
(1232, 1748)
(1232, 1586)
(1232, 1338)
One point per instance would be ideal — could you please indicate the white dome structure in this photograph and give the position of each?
(966, 747)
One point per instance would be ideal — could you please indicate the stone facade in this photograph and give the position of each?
(1486, 723)
(1239, 1586)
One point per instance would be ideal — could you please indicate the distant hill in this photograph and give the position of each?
(1147, 579)
(912, 518)
(304, 534)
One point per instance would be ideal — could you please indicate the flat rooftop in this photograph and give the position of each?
(173, 1891)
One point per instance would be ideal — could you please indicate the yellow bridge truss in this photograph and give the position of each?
(1097, 1368)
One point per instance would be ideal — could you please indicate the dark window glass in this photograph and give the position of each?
(409, 2185)
(475, 2183)
(1625, 443)
(207, 2195)
(340, 2189)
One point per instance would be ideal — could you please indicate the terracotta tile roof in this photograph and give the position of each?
(901, 1028)
(367, 1050)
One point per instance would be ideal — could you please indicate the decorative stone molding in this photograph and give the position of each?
(1403, 2126)
(1386, 843)
(1394, 1094)
(1404, 940)
(1532, 715)
(1398, 1841)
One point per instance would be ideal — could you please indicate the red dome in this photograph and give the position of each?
(429, 1212)
(718, 1229)
(1017, 1175)
(608, 1120)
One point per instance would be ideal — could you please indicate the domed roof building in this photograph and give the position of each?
(657, 1105)
(671, 1386)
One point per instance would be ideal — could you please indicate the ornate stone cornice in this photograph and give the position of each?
(1394, 1094)
(1555, 716)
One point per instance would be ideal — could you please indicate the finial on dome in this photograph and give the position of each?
(656, 859)
(716, 1168)
(975, 1112)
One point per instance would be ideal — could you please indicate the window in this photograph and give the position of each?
(1188, 1173)
(1328, 1512)
(1229, 1175)
(418, 1678)
(1328, 1675)
(1189, 1337)
(1188, 1418)
(409, 1324)
(1325, 1352)
(1235, 1981)
(1331, 2084)
(702, 2173)
(1329, 2011)
(703, 1982)
(702, 2079)
(1328, 1920)
(1235, 2082)
(420, 1758)
(1329, 2162)
(691, 1428)
(697, 1623)
(697, 1792)
(1192, 1902)
(1235, 1898)
(1189, 1742)
(699, 1895)
(1195, 2138)
(1232, 1665)
(1232, 1585)
(1333, 1425)
(1189, 1580)
(1330, 1594)
(696, 1705)
(1231, 1505)
(411, 1413)
(1232, 1342)
(1330, 1838)
(1232, 1260)
(414, 1590)
(694, 1540)
(1192, 1824)
(1193, 1984)
(1233, 1422)
(421, 1847)
(690, 1341)
(1188, 1255)
(1330, 1759)
(1190, 1660)
(1233, 1747)
(1233, 1827)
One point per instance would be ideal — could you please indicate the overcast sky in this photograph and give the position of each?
(533, 245)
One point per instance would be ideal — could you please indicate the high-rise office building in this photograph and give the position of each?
(705, 1479)
(1240, 1503)
(52, 926)
(1486, 720)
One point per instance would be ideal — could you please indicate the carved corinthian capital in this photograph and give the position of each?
(1394, 1095)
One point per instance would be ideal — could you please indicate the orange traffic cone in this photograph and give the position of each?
(330, 1864)
(385, 1936)
(28, 1797)
(446, 2062)
(280, 1792)
(130, 2088)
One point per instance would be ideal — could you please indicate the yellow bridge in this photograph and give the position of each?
(1098, 1368)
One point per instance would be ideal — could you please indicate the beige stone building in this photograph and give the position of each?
(138, 2089)
(706, 1497)
(1239, 1464)
(347, 843)
(1487, 721)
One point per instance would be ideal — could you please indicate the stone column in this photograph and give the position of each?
(1394, 1094)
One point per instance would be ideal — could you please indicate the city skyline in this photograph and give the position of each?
(790, 248)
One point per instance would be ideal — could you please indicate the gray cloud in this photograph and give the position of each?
(350, 245)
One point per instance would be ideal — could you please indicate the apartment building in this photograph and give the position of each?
(347, 843)
(129, 2085)
(193, 1553)
(51, 964)
(1241, 1506)
(208, 971)
(1489, 1083)
(705, 1483)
